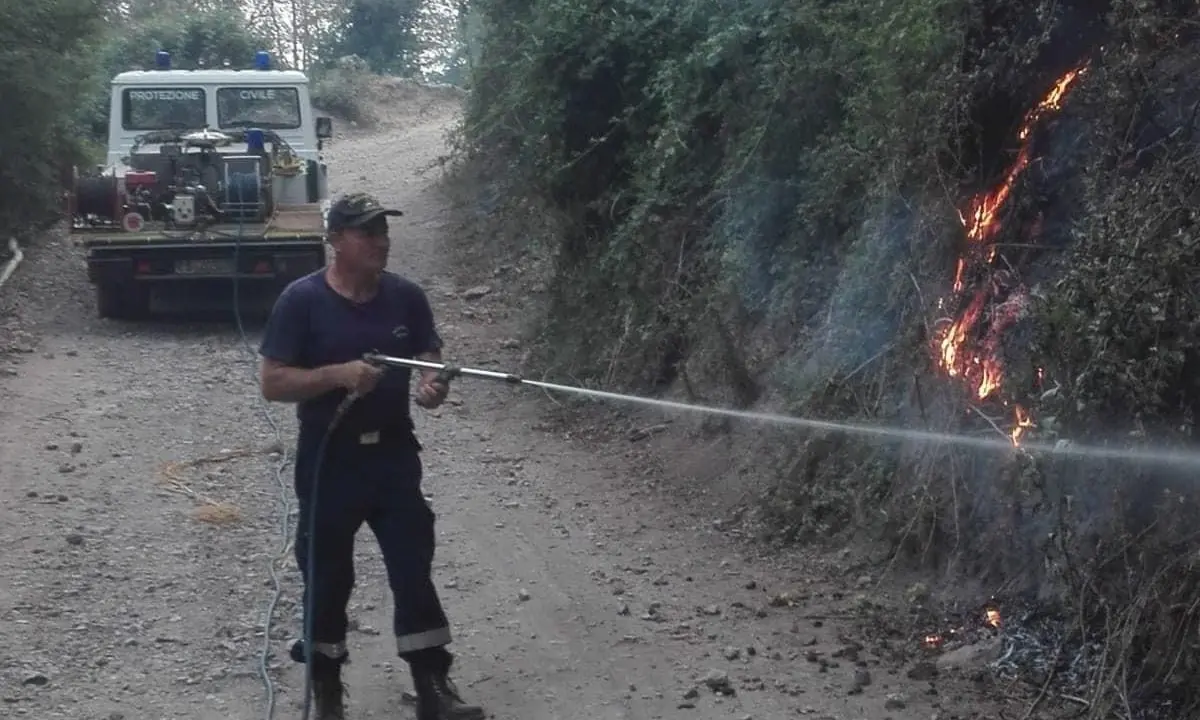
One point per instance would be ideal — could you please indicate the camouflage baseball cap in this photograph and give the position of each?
(356, 210)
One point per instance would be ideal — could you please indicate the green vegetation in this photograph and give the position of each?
(203, 37)
(40, 55)
(735, 144)
(758, 203)
(381, 32)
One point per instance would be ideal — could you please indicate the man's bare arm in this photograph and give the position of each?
(283, 383)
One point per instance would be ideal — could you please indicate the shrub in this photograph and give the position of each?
(343, 89)
(761, 200)
(42, 56)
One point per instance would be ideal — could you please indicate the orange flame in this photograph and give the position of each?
(935, 641)
(1024, 422)
(980, 366)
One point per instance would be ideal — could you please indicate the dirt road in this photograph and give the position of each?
(134, 588)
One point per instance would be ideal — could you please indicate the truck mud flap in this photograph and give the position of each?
(110, 270)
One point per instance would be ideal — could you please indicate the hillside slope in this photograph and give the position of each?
(969, 216)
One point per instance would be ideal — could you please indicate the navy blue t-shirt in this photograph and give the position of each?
(312, 325)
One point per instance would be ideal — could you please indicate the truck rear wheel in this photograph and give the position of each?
(122, 301)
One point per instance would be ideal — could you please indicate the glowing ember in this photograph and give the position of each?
(937, 641)
(1024, 422)
(979, 365)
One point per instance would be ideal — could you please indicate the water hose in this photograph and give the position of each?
(310, 542)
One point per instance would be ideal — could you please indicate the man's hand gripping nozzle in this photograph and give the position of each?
(445, 372)
(445, 375)
(448, 373)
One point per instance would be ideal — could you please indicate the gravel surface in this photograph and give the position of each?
(141, 518)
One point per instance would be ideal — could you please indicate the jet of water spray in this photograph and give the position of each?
(1148, 456)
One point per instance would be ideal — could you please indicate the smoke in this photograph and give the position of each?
(753, 227)
(844, 304)
(861, 315)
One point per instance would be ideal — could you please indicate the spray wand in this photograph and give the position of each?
(446, 372)
(1183, 458)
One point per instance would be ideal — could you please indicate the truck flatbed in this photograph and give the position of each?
(249, 235)
(299, 224)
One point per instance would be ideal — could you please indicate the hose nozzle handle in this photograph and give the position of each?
(448, 373)
(445, 372)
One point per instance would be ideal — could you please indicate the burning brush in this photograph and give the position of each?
(988, 619)
(968, 349)
(1031, 644)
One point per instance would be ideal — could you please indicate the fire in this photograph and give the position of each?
(978, 363)
(936, 641)
(1023, 423)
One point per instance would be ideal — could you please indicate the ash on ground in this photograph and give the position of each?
(1043, 650)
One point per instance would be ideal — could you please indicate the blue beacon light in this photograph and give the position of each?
(255, 140)
(262, 60)
(162, 60)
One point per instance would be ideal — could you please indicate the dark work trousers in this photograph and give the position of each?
(376, 480)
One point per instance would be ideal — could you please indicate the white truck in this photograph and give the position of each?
(211, 175)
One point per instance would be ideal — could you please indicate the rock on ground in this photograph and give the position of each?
(142, 520)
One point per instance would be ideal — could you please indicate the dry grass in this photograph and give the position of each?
(220, 513)
(210, 511)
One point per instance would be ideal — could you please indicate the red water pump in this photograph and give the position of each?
(107, 200)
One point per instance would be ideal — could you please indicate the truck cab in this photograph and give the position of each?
(219, 99)
(213, 187)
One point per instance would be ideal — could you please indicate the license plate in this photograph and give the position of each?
(204, 266)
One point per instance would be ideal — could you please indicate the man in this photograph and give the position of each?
(312, 346)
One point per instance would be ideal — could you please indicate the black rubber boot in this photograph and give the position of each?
(437, 697)
(328, 690)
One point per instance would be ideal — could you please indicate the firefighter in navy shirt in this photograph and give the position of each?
(312, 346)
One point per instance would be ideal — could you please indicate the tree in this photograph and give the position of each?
(42, 61)
(381, 32)
(206, 37)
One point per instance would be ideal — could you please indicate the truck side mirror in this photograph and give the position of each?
(324, 127)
